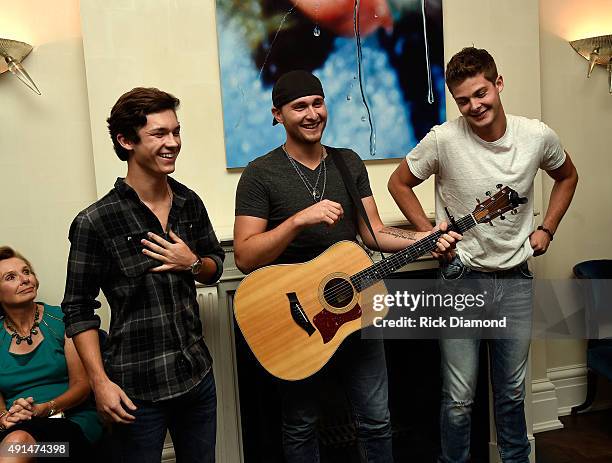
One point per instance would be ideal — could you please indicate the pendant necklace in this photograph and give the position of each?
(33, 330)
(312, 189)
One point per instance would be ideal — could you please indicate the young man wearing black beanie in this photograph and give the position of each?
(291, 205)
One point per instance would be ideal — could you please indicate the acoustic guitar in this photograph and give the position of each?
(294, 316)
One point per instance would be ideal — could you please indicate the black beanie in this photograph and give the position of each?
(293, 85)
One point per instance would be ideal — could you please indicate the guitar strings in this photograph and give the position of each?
(394, 262)
(379, 270)
(374, 273)
(415, 250)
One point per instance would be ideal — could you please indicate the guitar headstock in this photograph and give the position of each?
(504, 200)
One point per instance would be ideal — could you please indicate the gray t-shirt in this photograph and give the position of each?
(271, 189)
(466, 167)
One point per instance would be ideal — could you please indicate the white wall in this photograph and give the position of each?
(46, 162)
(580, 110)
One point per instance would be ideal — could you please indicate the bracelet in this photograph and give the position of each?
(2, 414)
(52, 410)
(546, 230)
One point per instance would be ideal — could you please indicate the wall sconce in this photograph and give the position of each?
(14, 53)
(597, 50)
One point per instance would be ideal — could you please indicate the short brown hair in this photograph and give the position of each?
(129, 114)
(470, 62)
(7, 252)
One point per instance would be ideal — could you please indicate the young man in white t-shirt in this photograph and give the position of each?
(469, 156)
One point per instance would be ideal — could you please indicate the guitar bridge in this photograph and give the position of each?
(298, 314)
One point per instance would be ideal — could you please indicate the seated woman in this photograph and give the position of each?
(42, 376)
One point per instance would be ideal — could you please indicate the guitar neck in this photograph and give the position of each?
(382, 269)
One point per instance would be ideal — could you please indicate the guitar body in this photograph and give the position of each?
(295, 316)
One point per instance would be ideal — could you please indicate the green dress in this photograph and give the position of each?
(43, 373)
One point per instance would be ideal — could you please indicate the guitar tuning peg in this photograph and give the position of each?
(477, 201)
(498, 186)
(488, 193)
(491, 223)
(513, 212)
(502, 217)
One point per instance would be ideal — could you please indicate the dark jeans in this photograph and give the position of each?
(360, 369)
(191, 419)
(509, 294)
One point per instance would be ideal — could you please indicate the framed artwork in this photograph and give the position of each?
(383, 80)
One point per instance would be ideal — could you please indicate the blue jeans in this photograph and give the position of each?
(191, 419)
(507, 293)
(359, 366)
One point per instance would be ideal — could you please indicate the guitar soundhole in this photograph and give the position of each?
(338, 293)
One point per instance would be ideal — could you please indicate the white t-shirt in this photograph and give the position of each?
(466, 167)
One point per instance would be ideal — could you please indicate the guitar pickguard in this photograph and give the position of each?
(328, 323)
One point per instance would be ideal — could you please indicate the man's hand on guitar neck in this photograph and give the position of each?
(446, 244)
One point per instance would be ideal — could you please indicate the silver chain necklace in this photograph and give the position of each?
(316, 195)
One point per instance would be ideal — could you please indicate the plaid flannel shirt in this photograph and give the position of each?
(155, 349)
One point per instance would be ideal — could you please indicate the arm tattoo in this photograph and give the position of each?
(399, 233)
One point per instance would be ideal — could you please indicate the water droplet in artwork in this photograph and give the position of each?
(348, 97)
(359, 75)
(316, 31)
(363, 118)
(430, 95)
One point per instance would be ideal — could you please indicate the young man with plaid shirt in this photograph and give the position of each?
(144, 244)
